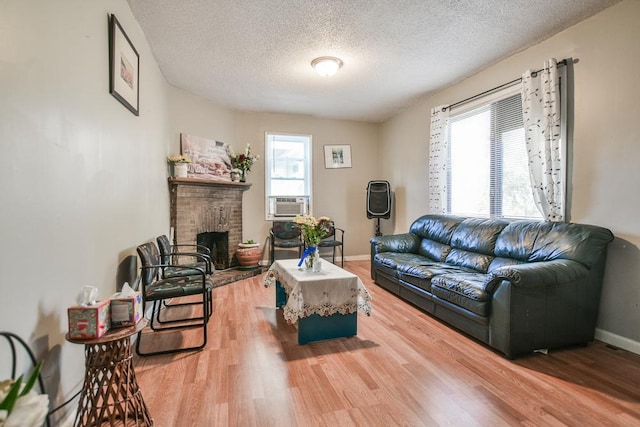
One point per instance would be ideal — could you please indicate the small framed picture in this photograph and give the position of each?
(337, 156)
(124, 67)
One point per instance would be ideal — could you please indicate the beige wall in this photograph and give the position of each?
(194, 115)
(83, 180)
(337, 193)
(606, 151)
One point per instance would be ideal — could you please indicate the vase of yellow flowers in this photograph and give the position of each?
(243, 161)
(313, 230)
(179, 163)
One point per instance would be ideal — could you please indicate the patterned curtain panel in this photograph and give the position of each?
(541, 114)
(438, 159)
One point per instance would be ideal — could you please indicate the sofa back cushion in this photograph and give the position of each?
(533, 241)
(434, 250)
(436, 227)
(436, 232)
(473, 243)
(486, 244)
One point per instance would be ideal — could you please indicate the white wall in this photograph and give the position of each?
(606, 152)
(83, 180)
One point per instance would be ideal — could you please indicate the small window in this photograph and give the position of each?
(488, 171)
(287, 175)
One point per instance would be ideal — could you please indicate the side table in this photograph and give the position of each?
(110, 392)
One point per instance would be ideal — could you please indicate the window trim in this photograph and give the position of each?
(269, 216)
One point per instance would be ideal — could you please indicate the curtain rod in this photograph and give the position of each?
(486, 92)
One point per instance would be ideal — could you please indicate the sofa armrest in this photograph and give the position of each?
(539, 274)
(408, 242)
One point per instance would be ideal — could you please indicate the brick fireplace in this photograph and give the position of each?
(208, 211)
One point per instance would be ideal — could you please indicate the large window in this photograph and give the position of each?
(288, 172)
(488, 171)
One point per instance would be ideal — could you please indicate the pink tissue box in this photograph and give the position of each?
(89, 322)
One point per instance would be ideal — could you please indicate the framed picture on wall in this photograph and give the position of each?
(124, 67)
(209, 158)
(337, 156)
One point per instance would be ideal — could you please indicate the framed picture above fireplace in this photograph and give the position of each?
(209, 158)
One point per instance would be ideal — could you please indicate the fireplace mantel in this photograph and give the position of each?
(201, 206)
(207, 182)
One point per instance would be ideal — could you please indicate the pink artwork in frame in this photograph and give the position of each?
(209, 158)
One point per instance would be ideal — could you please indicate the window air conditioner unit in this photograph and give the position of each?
(290, 206)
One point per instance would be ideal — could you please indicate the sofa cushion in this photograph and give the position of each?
(545, 241)
(477, 235)
(472, 260)
(388, 261)
(438, 228)
(435, 250)
(393, 259)
(467, 290)
(518, 239)
(473, 242)
(421, 275)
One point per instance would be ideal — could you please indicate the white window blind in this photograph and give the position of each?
(488, 165)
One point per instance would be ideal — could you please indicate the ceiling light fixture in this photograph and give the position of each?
(326, 65)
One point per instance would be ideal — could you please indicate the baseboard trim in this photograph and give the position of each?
(357, 258)
(618, 341)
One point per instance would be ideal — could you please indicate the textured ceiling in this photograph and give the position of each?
(255, 55)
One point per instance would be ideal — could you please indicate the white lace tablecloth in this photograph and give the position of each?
(330, 291)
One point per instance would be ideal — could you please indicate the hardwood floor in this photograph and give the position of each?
(404, 368)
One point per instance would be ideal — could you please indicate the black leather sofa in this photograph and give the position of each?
(517, 286)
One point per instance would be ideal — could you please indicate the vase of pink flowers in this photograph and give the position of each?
(243, 161)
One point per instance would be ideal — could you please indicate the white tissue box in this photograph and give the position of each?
(126, 310)
(89, 321)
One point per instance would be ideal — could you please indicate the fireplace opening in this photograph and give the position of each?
(218, 244)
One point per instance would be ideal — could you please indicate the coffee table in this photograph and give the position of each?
(322, 305)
